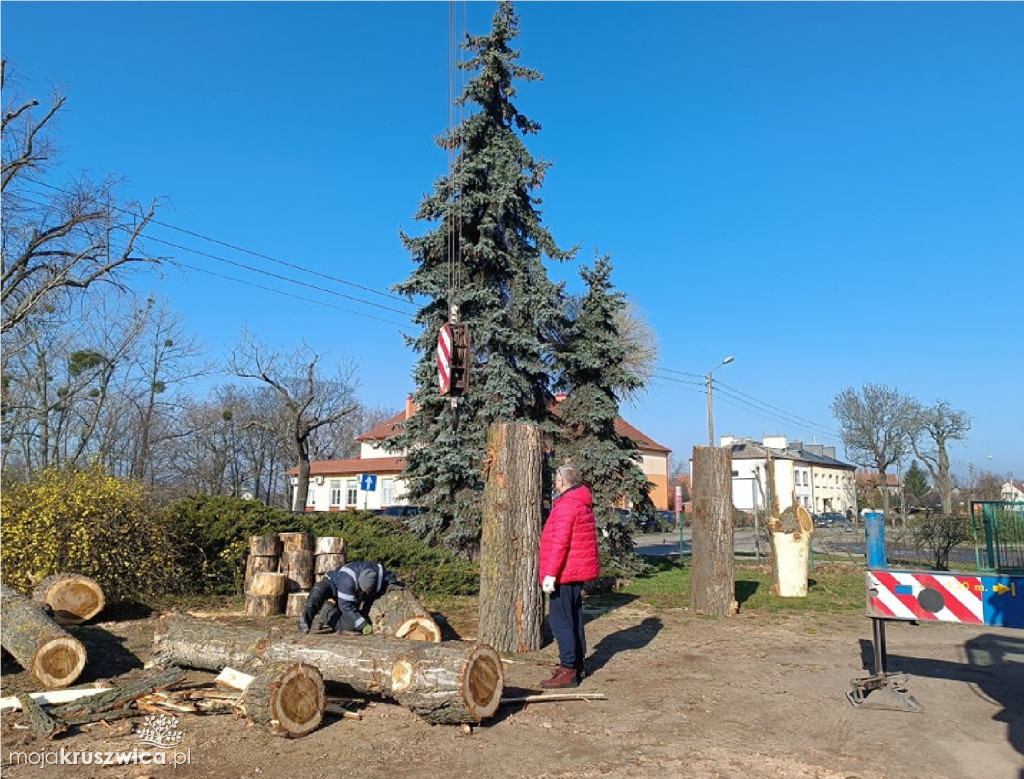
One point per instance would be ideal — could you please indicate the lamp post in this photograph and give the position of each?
(711, 418)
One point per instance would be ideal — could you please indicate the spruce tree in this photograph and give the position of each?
(592, 364)
(500, 287)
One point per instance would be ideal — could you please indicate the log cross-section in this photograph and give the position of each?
(73, 598)
(48, 652)
(399, 613)
(288, 699)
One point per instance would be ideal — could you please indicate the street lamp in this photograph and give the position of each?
(711, 418)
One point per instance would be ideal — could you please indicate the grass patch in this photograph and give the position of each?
(833, 589)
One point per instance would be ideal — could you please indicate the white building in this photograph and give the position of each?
(808, 475)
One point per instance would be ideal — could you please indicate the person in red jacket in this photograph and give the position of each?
(568, 558)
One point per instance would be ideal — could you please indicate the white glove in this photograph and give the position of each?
(548, 585)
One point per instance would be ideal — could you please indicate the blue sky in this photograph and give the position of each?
(833, 193)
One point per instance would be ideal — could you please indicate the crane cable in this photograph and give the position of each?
(453, 217)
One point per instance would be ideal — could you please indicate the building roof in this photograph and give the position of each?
(814, 454)
(622, 427)
(865, 476)
(352, 467)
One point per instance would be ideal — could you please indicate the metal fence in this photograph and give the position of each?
(998, 535)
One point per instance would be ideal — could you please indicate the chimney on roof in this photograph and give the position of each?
(560, 396)
(830, 451)
(410, 407)
(774, 441)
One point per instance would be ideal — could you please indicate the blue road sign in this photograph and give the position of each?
(368, 482)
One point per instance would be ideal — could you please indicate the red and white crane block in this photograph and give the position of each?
(444, 358)
(970, 599)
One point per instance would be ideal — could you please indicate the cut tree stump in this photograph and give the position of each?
(255, 564)
(297, 566)
(42, 647)
(399, 613)
(264, 605)
(74, 598)
(452, 682)
(288, 699)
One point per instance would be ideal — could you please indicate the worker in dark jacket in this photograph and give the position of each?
(353, 587)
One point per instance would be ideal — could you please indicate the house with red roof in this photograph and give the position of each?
(374, 479)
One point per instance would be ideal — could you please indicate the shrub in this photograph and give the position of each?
(82, 521)
(386, 541)
(214, 536)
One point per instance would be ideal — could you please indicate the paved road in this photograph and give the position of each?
(744, 543)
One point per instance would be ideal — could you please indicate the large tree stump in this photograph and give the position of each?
(399, 613)
(325, 563)
(266, 595)
(329, 545)
(265, 546)
(712, 589)
(297, 542)
(296, 603)
(255, 564)
(288, 699)
(511, 601)
(451, 682)
(73, 598)
(53, 657)
(297, 566)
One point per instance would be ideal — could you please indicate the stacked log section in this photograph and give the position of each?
(296, 603)
(264, 557)
(399, 613)
(266, 595)
(330, 555)
(288, 699)
(297, 551)
(73, 598)
(450, 682)
(42, 647)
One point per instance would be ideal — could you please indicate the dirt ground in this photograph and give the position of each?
(749, 696)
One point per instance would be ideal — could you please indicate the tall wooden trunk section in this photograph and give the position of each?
(511, 602)
(712, 588)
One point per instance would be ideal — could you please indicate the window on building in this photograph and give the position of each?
(387, 492)
(335, 492)
(351, 492)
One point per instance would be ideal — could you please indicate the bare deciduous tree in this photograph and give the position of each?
(55, 240)
(876, 426)
(310, 399)
(933, 429)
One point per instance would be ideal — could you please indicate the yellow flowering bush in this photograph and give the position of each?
(86, 522)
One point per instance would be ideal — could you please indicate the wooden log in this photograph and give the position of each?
(325, 563)
(450, 682)
(296, 603)
(265, 546)
(399, 613)
(297, 542)
(267, 584)
(297, 566)
(11, 703)
(255, 564)
(37, 719)
(329, 545)
(73, 598)
(288, 699)
(42, 647)
(264, 605)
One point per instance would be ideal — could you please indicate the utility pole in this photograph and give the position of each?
(711, 416)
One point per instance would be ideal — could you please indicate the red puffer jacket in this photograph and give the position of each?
(568, 543)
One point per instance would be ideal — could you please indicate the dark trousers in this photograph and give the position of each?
(565, 616)
(318, 607)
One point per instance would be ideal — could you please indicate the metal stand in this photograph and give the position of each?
(883, 690)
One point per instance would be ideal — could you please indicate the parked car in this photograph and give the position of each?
(829, 519)
(403, 512)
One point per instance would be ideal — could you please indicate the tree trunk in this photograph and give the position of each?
(712, 589)
(511, 601)
(399, 613)
(74, 598)
(450, 682)
(288, 699)
(53, 657)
